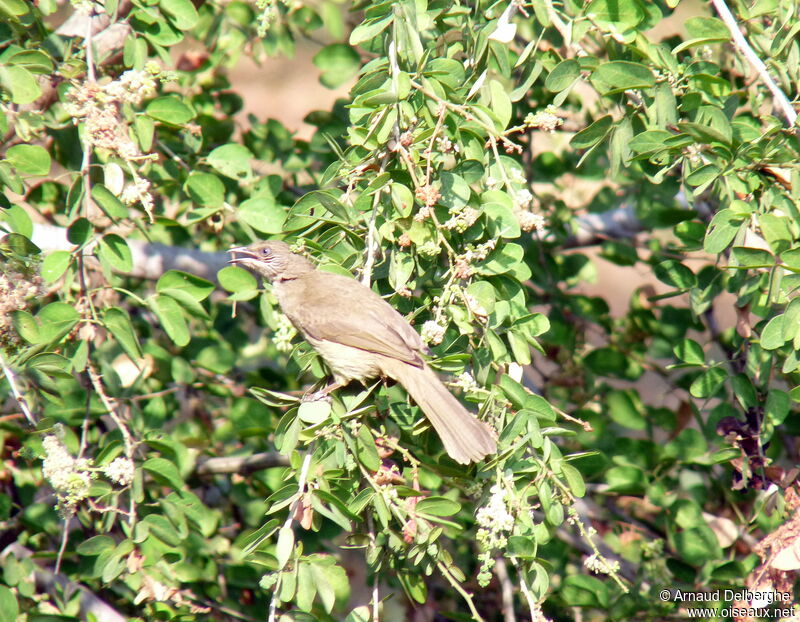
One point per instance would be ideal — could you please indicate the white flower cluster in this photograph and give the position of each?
(87, 7)
(133, 86)
(523, 199)
(120, 470)
(545, 120)
(529, 221)
(284, 333)
(494, 519)
(462, 219)
(600, 565)
(138, 192)
(465, 381)
(16, 289)
(433, 332)
(70, 477)
(99, 107)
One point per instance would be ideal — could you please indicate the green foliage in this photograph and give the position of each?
(157, 450)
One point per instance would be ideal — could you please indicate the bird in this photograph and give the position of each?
(360, 336)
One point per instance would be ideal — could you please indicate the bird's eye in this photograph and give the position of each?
(266, 252)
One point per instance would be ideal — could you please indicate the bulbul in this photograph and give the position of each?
(360, 336)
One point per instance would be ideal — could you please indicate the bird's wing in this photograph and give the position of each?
(364, 321)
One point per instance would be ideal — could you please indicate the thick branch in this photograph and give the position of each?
(150, 261)
(57, 585)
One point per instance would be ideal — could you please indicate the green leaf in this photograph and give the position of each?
(414, 586)
(722, 229)
(170, 110)
(29, 159)
(181, 13)
(18, 219)
(9, 608)
(338, 62)
(370, 29)
(96, 545)
(314, 412)
(56, 320)
(503, 222)
(675, 273)
(205, 189)
(708, 28)
(171, 317)
(438, 506)
(703, 175)
(689, 351)
(285, 546)
(239, 282)
(114, 251)
(232, 160)
(21, 83)
(708, 383)
(501, 102)
(574, 479)
(14, 7)
(359, 614)
(584, 591)
(455, 191)
(626, 479)
(80, 232)
(592, 135)
(402, 199)
(563, 75)
(697, 545)
(753, 257)
(263, 214)
(164, 472)
(26, 327)
(327, 200)
(365, 449)
(55, 265)
(484, 294)
(109, 203)
(620, 75)
(614, 15)
(623, 409)
(118, 324)
(198, 288)
(772, 334)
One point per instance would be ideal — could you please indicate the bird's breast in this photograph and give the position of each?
(347, 363)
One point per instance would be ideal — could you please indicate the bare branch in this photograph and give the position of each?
(57, 585)
(240, 464)
(150, 261)
(781, 100)
(20, 399)
(507, 591)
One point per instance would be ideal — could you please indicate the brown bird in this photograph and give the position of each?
(360, 336)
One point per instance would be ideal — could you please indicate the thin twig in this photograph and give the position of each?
(781, 100)
(464, 594)
(532, 604)
(127, 439)
(63, 546)
(507, 591)
(20, 399)
(301, 488)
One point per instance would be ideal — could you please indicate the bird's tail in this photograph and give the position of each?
(465, 438)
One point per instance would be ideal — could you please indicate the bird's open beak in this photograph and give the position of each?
(242, 250)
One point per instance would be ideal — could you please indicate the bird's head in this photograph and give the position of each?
(271, 260)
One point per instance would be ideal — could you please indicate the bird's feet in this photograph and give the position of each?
(316, 396)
